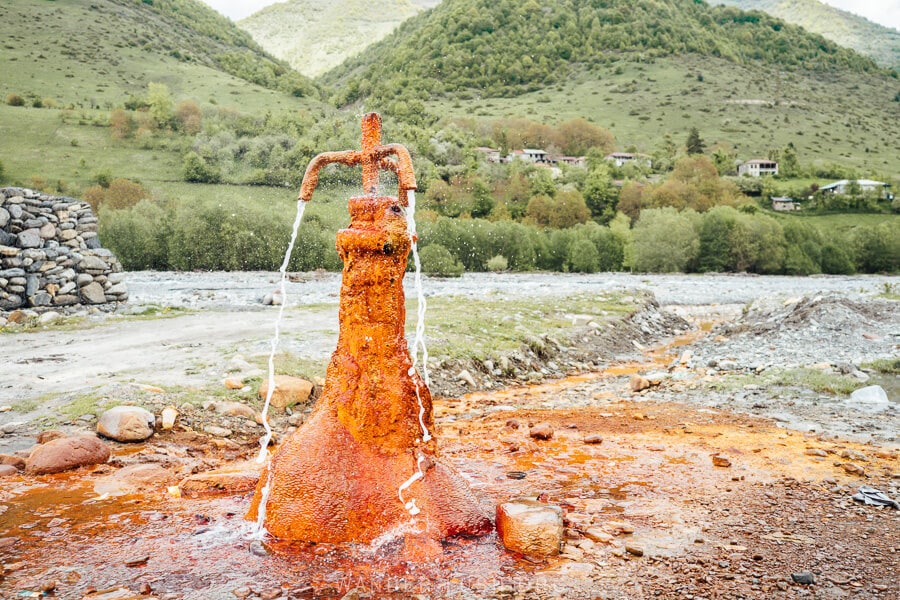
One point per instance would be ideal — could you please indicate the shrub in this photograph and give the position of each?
(102, 178)
(118, 194)
(666, 240)
(195, 170)
(583, 256)
(437, 260)
(15, 100)
(498, 263)
(120, 124)
(138, 236)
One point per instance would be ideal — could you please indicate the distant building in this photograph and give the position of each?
(865, 185)
(623, 158)
(783, 203)
(757, 167)
(492, 155)
(575, 161)
(532, 155)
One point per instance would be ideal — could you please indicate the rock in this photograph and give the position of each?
(234, 409)
(233, 383)
(18, 317)
(288, 391)
(136, 561)
(576, 570)
(870, 399)
(217, 431)
(47, 231)
(815, 452)
(467, 378)
(11, 426)
(7, 470)
(168, 417)
(853, 469)
(4, 217)
(620, 526)
(66, 453)
(49, 435)
(854, 455)
(126, 424)
(638, 383)
(805, 578)
(541, 431)
(530, 528)
(49, 317)
(92, 293)
(236, 479)
(5, 407)
(257, 548)
(721, 461)
(634, 550)
(594, 438)
(30, 238)
(133, 478)
(12, 460)
(597, 535)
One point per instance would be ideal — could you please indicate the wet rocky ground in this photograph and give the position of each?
(705, 446)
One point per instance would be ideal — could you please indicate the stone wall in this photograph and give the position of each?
(50, 255)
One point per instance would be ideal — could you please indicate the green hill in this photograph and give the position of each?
(314, 36)
(96, 51)
(71, 62)
(642, 69)
(844, 28)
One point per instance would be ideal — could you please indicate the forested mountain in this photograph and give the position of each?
(94, 51)
(503, 47)
(874, 40)
(315, 36)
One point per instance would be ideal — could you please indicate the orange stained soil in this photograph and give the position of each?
(364, 462)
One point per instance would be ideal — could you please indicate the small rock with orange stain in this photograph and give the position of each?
(530, 528)
(235, 479)
(288, 391)
(721, 461)
(234, 383)
(853, 469)
(638, 383)
(541, 431)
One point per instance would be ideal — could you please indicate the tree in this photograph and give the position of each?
(599, 193)
(569, 209)
(195, 169)
(160, 101)
(576, 136)
(665, 240)
(694, 142)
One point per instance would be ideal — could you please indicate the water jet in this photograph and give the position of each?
(364, 463)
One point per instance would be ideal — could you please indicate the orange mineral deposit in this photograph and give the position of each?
(363, 464)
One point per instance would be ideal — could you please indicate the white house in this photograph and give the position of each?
(532, 155)
(622, 158)
(865, 185)
(783, 203)
(757, 167)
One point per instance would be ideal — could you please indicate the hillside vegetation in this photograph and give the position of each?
(504, 47)
(314, 36)
(92, 52)
(877, 41)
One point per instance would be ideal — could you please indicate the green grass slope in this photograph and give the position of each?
(844, 28)
(96, 51)
(314, 36)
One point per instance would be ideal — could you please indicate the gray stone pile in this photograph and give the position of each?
(50, 255)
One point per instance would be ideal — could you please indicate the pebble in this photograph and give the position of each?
(137, 560)
(466, 377)
(169, 415)
(635, 550)
(804, 578)
(815, 452)
(257, 548)
(4, 409)
(721, 461)
(595, 438)
(217, 431)
(853, 469)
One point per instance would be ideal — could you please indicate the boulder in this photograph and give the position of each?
(10, 460)
(48, 435)
(66, 453)
(7, 470)
(126, 424)
(530, 527)
(288, 391)
(871, 399)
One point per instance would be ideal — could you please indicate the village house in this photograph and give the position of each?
(623, 158)
(757, 167)
(783, 203)
(492, 155)
(865, 186)
(531, 155)
(574, 161)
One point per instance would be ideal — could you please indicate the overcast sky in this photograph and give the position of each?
(886, 12)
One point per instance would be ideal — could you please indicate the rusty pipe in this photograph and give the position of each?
(372, 157)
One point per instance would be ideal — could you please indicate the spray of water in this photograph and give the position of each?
(265, 439)
(421, 307)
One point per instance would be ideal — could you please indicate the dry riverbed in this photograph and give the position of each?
(726, 447)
